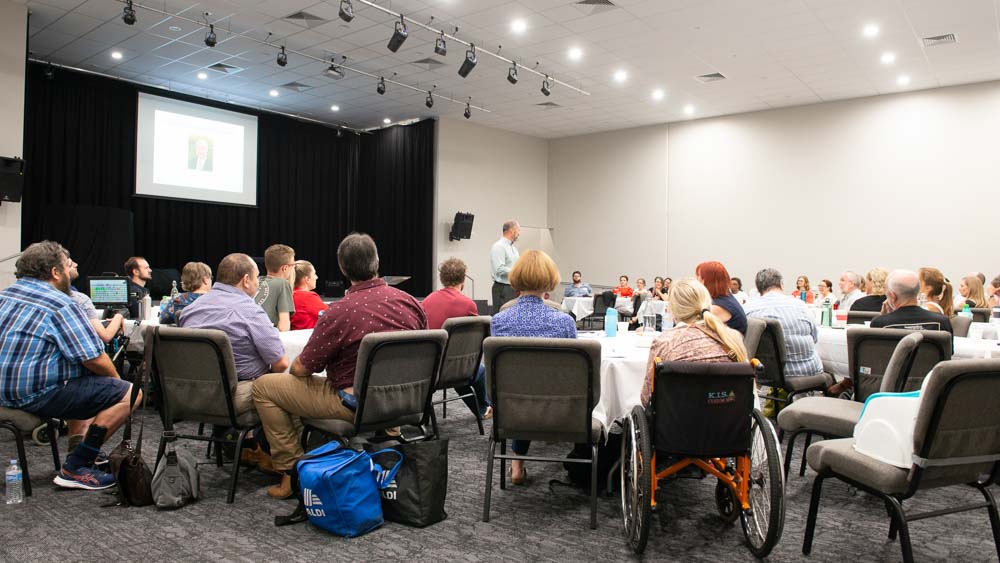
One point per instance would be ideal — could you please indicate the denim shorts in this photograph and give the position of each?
(81, 398)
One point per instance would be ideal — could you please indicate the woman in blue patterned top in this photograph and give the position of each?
(533, 275)
(196, 280)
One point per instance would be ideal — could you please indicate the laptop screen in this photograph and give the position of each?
(109, 291)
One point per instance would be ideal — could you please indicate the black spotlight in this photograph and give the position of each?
(512, 74)
(441, 46)
(546, 86)
(469, 63)
(210, 38)
(334, 72)
(468, 110)
(398, 35)
(282, 57)
(429, 102)
(128, 14)
(346, 10)
(48, 73)
(381, 86)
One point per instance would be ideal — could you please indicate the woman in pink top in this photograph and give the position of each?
(308, 305)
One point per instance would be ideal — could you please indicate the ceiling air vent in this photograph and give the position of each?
(296, 86)
(939, 40)
(713, 77)
(548, 105)
(224, 68)
(591, 7)
(428, 63)
(306, 19)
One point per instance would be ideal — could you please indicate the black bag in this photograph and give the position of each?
(132, 475)
(416, 496)
(607, 454)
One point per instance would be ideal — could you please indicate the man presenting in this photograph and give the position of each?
(502, 258)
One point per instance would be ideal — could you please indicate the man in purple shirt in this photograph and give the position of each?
(369, 306)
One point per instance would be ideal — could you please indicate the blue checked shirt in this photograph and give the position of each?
(799, 326)
(44, 340)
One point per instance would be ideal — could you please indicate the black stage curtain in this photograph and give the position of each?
(80, 133)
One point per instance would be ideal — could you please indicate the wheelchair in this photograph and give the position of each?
(704, 416)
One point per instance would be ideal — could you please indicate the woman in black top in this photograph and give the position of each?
(875, 288)
(716, 278)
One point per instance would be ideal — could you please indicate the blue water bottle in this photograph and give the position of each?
(611, 322)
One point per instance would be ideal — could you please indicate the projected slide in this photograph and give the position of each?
(190, 151)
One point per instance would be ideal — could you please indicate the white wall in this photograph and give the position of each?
(13, 27)
(496, 175)
(608, 204)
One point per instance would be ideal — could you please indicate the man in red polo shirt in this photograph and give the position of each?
(369, 306)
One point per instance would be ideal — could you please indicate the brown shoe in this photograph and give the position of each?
(265, 465)
(282, 490)
(841, 386)
(250, 458)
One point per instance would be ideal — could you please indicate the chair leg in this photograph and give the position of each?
(904, 529)
(434, 423)
(892, 521)
(994, 516)
(489, 480)
(593, 487)
(479, 416)
(503, 465)
(444, 403)
(817, 492)
(802, 467)
(789, 450)
(22, 458)
(53, 429)
(236, 466)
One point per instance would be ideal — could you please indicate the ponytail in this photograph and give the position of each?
(731, 340)
(947, 301)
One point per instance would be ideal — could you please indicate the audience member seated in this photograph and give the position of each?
(578, 288)
(937, 289)
(797, 322)
(449, 302)
(53, 365)
(641, 291)
(802, 287)
(736, 288)
(971, 290)
(850, 290)
(369, 306)
(622, 289)
(993, 291)
(308, 305)
(139, 273)
(825, 290)
(715, 278)
(875, 289)
(533, 275)
(275, 289)
(697, 336)
(666, 284)
(902, 291)
(545, 299)
(105, 332)
(658, 290)
(196, 280)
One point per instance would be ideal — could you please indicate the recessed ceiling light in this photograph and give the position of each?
(387, 121)
(518, 26)
(903, 80)
(334, 108)
(274, 93)
(621, 76)
(657, 94)
(116, 55)
(202, 75)
(689, 110)
(870, 30)
(888, 58)
(175, 28)
(575, 53)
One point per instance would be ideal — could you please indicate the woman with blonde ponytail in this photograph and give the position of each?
(698, 334)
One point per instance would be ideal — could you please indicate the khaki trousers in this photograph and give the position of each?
(281, 398)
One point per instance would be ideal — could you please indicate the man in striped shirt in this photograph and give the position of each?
(796, 321)
(53, 365)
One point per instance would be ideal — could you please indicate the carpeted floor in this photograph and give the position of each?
(533, 522)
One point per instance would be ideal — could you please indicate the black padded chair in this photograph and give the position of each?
(21, 423)
(960, 325)
(981, 314)
(462, 356)
(861, 317)
(770, 349)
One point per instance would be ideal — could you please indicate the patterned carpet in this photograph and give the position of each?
(535, 522)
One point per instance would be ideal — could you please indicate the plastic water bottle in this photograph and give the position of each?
(802, 296)
(611, 322)
(966, 311)
(173, 289)
(827, 316)
(15, 484)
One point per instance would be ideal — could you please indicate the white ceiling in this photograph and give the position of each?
(774, 53)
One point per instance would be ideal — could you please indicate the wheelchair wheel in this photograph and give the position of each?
(40, 435)
(636, 486)
(725, 500)
(763, 522)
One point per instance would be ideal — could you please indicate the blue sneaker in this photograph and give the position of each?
(84, 478)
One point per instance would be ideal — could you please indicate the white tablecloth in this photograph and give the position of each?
(623, 367)
(652, 307)
(584, 306)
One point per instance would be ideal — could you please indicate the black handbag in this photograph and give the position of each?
(132, 475)
(417, 495)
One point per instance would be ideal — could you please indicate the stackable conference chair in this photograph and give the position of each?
(956, 442)
(394, 383)
(602, 301)
(960, 325)
(542, 389)
(771, 351)
(860, 317)
(462, 356)
(20, 423)
(981, 314)
(195, 373)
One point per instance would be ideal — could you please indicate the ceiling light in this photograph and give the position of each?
(334, 71)
(870, 31)
(334, 108)
(387, 121)
(469, 63)
(441, 46)
(657, 94)
(546, 86)
(689, 110)
(575, 53)
(202, 75)
(429, 102)
(381, 86)
(116, 55)
(210, 38)
(128, 14)
(888, 58)
(621, 76)
(468, 110)
(518, 26)
(903, 80)
(512, 73)
(346, 10)
(399, 35)
(273, 93)
(282, 57)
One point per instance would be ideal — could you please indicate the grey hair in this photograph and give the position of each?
(357, 257)
(38, 260)
(855, 278)
(767, 279)
(508, 225)
(904, 284)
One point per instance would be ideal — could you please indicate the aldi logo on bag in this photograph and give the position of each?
(311, 500)
(389, 492)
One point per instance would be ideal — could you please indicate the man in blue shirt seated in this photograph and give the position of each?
(578, 288)
(53, 365)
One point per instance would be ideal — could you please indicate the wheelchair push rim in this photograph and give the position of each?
(636, 486)
(763, 522)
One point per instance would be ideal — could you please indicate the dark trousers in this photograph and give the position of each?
(478, 386)
(502, 293)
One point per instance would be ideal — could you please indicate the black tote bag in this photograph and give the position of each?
(417, 495)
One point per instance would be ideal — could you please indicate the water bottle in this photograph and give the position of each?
(611, 322)
(966, 311)
(995, 315)
(802, 296)
(827, 317)
(173, 289)
(15, 484)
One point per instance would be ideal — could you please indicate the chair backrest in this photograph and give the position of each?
(861, 317)
(464, 350)
(702, 408)
(960, 325)
(957, 419)
(772, 353)
(195, 372)
(603, 301)
(755, 328)
(980, 315)
(870, 350)
(543, 388)
(900, 363)
(395, 378)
